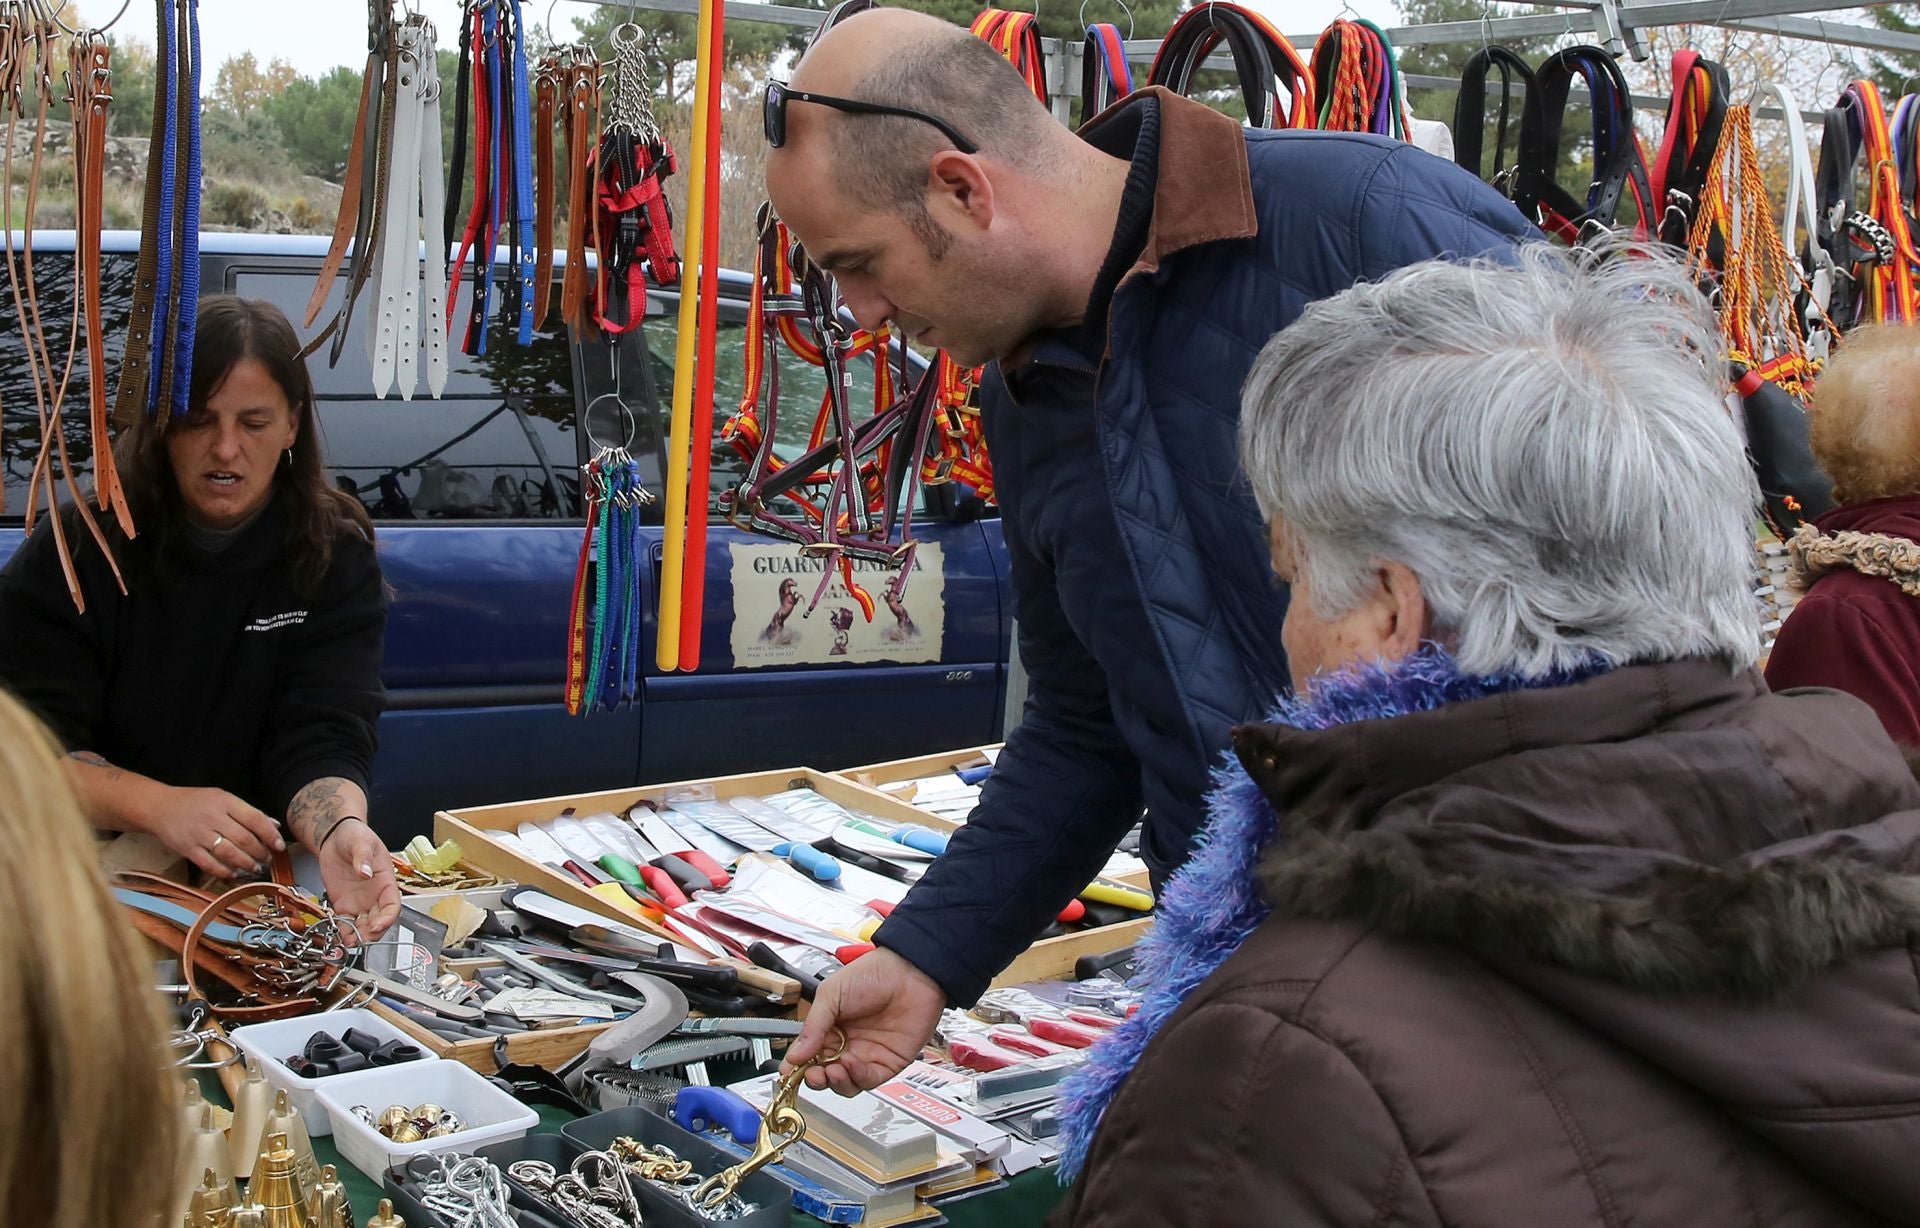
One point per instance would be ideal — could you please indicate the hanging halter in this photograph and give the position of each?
(1620, 168)
(1695, 116)
(1470, 108)
(1873, 252)
(1266, 63)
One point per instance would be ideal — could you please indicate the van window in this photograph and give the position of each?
(20, 439)
(500, 445)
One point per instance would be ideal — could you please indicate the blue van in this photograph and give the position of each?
(476, 498)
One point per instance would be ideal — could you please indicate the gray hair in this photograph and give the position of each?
(1545, 445)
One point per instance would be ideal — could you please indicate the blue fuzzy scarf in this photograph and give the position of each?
(1211, 904)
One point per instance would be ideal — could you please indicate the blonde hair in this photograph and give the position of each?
(1866, 414)
(90, 1114)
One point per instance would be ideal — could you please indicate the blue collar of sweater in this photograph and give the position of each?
(1211, 904)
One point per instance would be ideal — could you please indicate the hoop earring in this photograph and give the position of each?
(289, 456)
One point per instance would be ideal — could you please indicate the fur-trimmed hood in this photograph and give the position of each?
(1723, 881)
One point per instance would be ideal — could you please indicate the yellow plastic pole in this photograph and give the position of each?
(673, 556)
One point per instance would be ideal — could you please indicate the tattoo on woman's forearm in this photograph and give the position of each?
(317, 810)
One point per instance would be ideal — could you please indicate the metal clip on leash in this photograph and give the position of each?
(781, 1127)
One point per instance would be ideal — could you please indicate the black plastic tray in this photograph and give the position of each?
(773, 1200)
(535, 1214)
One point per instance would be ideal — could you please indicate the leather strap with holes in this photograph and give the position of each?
(546, 93)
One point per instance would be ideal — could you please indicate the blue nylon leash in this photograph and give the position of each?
(523, 174)
(189, 226)
(166, 97)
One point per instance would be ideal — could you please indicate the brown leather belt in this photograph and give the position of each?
(91, 81)
(546, 92)
(583, 105)
(373, 140)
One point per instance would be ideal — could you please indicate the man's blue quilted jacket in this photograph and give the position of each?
(1164, 525)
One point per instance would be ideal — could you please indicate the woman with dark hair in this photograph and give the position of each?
(237, 679)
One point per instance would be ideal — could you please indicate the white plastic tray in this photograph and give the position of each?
(272, 1043)
(491, 1115)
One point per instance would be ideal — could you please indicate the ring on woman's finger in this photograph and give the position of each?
(218, 840)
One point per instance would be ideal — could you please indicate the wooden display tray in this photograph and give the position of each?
(873, 775)
(895, 770)
(1048, 959)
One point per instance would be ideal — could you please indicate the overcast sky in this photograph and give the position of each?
(316, 35)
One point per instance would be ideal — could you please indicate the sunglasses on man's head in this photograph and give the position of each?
(774, 112)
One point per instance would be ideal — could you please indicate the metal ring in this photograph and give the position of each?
(626, 415)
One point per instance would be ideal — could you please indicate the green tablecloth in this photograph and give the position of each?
(1025, 1202)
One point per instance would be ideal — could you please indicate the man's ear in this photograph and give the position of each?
(1409, 621)
(959, 191)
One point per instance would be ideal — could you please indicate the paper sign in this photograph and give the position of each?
(772, 585)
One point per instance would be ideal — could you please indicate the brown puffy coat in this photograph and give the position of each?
(1638, 951)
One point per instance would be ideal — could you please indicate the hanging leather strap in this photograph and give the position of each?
(546, 94)
(1696, 117)
(1620, 168)
(132, 397)
(394, 339)
(582, 106)
(1470, 110)
(347, 222)
(1262, 58)
(433, 277)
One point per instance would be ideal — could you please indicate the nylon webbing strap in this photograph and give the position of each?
(1105, 75)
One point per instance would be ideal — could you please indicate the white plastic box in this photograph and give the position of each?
(272, 1043)
(491, 1115)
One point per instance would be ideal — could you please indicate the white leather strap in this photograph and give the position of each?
(394, 336)
(433, 319)
(1802, 206)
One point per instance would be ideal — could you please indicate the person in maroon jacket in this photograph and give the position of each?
(1858, 627)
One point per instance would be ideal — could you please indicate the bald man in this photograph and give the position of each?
(1117, 283)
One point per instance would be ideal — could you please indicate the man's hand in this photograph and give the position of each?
(884, 1006)
(358, 875)
(216, 831)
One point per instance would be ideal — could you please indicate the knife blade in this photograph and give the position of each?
(654, 869)
(730, 824)
(672, 844)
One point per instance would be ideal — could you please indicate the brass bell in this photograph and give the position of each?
(409, 1132)
(392, 1118)
(205, 1148)
(385, 1218)
(276, 1188)
(427, 1113)
(286, 1119)
(327, 1205)
(252, 1215)
(251, 1106)
(211, 1201)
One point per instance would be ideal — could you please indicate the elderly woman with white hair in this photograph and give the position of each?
(1531, 906)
